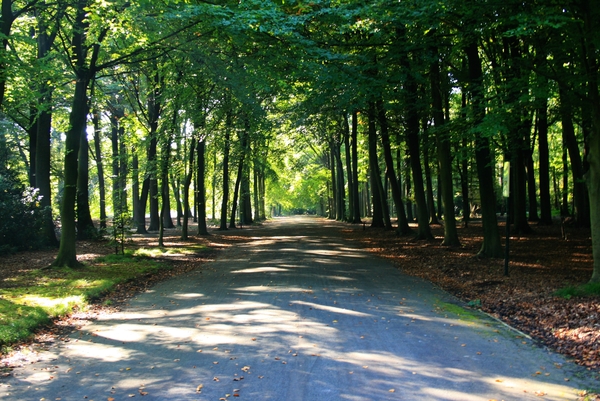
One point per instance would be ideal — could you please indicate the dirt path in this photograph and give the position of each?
(296, 313)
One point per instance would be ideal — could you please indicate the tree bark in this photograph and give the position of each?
(491, 246)
(412, 141)
(186, 192)
(225, 199)
(444, 157)
(381, 213)
(202, 229)
(580, 196)
(354, 134)
(100, 168)
(544, 162)
(390, 172)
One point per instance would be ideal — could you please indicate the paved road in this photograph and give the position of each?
(296, 313)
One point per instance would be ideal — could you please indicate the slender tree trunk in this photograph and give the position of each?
(349, 172)
(236, 190)
(225, 199)
(428, 180)
(354, 135)
(444, 158)
(42, 164)
(544, 163)
(412, 141)
(202, 229)
(85, 225)
(491, 246)
(186, 192)
(100, 168)
(580, 195)
(381, 213)
(390, 172)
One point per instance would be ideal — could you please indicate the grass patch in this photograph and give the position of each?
(32, 299)
(460, 312)
(170, 251)
(585, 290)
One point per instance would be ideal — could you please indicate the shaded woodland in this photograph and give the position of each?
(231, 112)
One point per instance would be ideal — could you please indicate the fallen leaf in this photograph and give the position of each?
(199, 388)
(392, 390)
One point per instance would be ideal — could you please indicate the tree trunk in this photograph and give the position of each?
(544, 162)
(381, 213)
(355, 218)
(100, 168)
(349, 172)
(236, 192)
(85, 225)
(202, 229)
(412, 141)
(580, 196)
(67, 254)
(428, 181)
(444, 158)
(390, 172)
(186, 192)
(42, 164)
(225, 173)
(491, 246)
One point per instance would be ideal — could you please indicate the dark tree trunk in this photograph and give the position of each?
(491, 246)
(67, 254)
(412, 141)
(381, 213)
(236, 191)
(100, 168)
(354, 134)
(580, 195)
(153, 185)
(390, 172)
(186, 192)
(225, 199)
(340, 212)
(42, 164)
(349, 172)
(85, 225)
(202, 229)
(544, 163)
(428, 180)
(444, 157)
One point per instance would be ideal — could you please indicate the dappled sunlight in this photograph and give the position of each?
(285, 317)
(331, 308)
(98, 351)
(261, 270)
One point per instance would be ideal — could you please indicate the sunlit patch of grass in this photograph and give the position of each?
(33, 298)
(18, 321)
(169, 251)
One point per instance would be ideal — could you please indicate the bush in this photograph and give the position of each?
(21, 216)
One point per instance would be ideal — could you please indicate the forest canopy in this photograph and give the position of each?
(115, 113)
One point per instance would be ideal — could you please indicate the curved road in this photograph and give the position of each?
(296, 313)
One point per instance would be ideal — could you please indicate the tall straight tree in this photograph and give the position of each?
(443, 153)
(84, 58)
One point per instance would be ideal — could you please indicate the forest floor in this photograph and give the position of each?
(540, 264)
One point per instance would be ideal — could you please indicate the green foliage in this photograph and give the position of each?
(585, 290)
(20, 216)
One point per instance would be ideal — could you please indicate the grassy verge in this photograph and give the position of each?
(33, 299)
(585, 290)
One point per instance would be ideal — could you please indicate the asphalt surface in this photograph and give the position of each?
(296, 313)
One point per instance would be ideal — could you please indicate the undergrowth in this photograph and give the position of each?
(584, 290)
